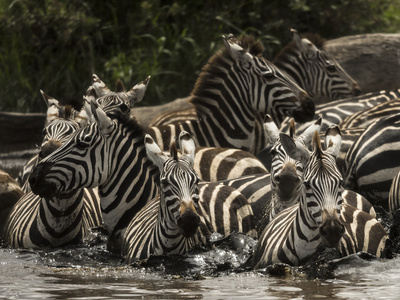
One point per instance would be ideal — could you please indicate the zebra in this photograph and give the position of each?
(108, 153)
(211, 163)
(372, 161)
(233, 92)
(318, 220)
(319, 74)
(60, 122)
(334, 113)
(10, 192)
(178, 220)
(66, 217)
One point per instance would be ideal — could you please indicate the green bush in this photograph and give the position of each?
(56, 45)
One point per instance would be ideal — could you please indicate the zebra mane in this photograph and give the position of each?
(314, 38)
(65, 112)
(174, 151)
(213, 67)
(130, 122)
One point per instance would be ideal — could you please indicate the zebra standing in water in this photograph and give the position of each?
(319, 74)
(109, 153)
(178, 221)
(318, 220)
(235, 89)
(64, 218)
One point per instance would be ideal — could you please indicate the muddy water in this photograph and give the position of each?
(89, 272)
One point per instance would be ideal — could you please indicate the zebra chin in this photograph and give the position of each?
(188, 223)
(38, 182)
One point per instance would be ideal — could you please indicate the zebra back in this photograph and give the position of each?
(373, 160)
(334, 113)
(318, 73)
(366, 117)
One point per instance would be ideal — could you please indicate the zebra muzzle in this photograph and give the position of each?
(306, 111)
(188, 221)
(38, 183)
(331, 231)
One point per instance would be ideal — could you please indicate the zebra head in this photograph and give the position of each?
(179, 192)
(110, 101)
(318, 73)
(286, 172)
(321, 200)
(262, 85)
(70, 167)
(61, 122)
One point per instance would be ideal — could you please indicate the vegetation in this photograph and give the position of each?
(56, 45)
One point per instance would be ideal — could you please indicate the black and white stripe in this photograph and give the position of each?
(180, 219)
(318, 220)
(374, 160)
(235, 89)
(319, 74)
(65, 218)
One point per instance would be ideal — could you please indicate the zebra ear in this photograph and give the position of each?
(333, 140)
(53, 108)
(99, 86)
(187, 146)
(82, 118)
(308, 134)
(294, 149)
(136, 94)
(233, 47)
(154, 152)
(305, 46)
(90, 95)
(271, 129)
(105, 123)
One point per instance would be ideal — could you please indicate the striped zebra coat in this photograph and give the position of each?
(65, 218)
(109, 153)
(211, 163)
(373, 160)
(319, 74)
(318, 220)
(233, 92)
(178, 221)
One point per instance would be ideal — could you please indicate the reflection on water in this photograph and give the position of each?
(55, 275)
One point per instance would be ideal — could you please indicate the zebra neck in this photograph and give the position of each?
(61, 213)
(278, 204)
(132, 180)
(294, 64)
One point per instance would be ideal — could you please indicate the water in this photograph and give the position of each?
(89, 272)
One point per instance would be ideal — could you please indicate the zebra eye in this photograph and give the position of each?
(268, 75)
(81, 145)
(165, 182)
(331, 67)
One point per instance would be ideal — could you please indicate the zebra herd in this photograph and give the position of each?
(246, 158)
